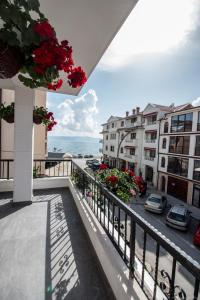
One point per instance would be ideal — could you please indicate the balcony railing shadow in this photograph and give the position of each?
(72, 269)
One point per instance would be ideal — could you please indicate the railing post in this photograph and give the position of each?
(132, 248)
(8, 168)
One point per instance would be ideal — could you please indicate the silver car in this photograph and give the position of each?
(178, 217)
(156, 203)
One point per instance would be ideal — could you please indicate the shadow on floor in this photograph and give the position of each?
(72, 268)
(6, 207)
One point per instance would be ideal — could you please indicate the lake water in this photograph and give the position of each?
(74, 145)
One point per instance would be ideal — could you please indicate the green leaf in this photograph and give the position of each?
(34, 5)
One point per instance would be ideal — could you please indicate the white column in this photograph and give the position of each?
(23, 145)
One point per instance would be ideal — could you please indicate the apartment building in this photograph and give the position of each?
(132, 141)
(152, 115)
(179, 154)
(7, 130)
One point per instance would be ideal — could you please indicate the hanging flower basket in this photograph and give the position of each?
(29, 46)
(40, 115)
(37, 119)
(7, 112)
(9, 119)
(11, 60)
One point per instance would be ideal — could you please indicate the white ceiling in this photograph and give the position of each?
(89, 25)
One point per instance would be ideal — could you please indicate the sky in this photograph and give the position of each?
(155, 57)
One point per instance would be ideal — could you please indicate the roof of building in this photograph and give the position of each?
(183, 107)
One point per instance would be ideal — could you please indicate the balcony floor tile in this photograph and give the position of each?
(46, 253)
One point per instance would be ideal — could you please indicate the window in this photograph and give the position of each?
(198, 122)
(113, 125)
(182, 123)
(122, 136)
(164, 143)
(106, 148)
(122, 123)
(133, 120)
(197, 147)
(113, 136)
(112, 148)
(178, 166)
(132, 151)
(196, 196)
(163, 162)
(106, 137)
(166, 125)
(179, 144)
(133, 136)
(121, 150)
(152, 119)
(196, 171)
(107, 126)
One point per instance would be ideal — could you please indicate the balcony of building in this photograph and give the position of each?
(150, 139)
(132, 142)
(149, 156)
(77, 240)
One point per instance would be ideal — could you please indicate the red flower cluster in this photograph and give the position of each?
(103, 167)
(52, 56)
(112, 179)
(77, 77)
(131, 173)
(56, 85)
(50, 121)
(44, 30)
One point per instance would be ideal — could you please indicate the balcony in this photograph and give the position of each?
(46, 253)
(133, 125)
(150, 141)
(151, 158)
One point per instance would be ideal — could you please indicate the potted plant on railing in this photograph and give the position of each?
(120, 183)
(7, 112)
(30, 47)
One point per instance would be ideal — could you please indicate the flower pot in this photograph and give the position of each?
(11, 60)
(9, 119)
(37, 119)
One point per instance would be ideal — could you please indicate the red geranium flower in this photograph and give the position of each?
(77, 77)
(112, 179)
(55, 86)
(103, 167)
(44, 30)
(131, 173)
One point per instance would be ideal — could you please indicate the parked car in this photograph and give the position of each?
(196, 237)
(86, 156)
(80, 156)
(178, 217)
(156, 203)
(95, 166)
(89, 162)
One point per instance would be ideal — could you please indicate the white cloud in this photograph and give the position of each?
(77, 117)
(154, 26)
(196, 102)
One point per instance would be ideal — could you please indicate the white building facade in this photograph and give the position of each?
(132, 141)
(179, 154)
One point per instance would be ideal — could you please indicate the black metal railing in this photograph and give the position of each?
(162, 270)
(6, 168)
(41, 168)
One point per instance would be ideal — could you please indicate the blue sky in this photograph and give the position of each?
(155, 58)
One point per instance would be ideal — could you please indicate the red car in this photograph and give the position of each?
(196, 237)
